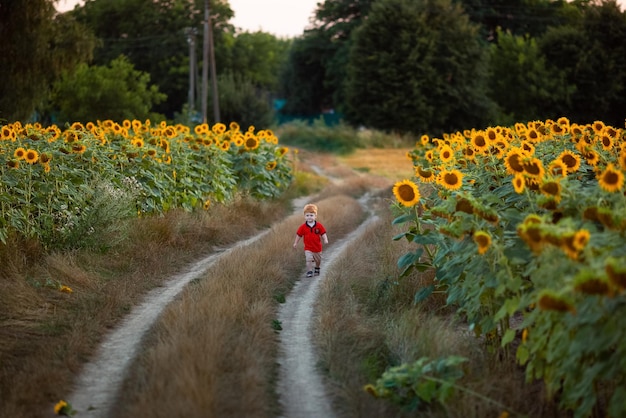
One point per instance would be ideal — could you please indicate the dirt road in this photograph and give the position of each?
(301, 387)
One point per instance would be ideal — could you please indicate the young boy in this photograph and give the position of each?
(312, 233)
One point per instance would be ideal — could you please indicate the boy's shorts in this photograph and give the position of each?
(310, 256)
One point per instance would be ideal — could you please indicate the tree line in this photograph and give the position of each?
(409, 66)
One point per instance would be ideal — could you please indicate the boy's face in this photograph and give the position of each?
(310, 216)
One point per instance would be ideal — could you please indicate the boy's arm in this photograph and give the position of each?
(325, 238)
(295, 243)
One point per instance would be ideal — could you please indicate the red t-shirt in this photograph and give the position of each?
(312, 236)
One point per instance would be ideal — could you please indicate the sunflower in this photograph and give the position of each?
(45, 158)
(170, 132)
(218, 128)
(406, 192)
(270, 165)
(597, 126)
(611, 179)
(206, 205)
(571, 160)
(621, 158)
(78, 148)
(551, 188)
(429, 155)
(550, 301)
(234, 126)
(513, 161)
(483, 240)
(15, 164)
(450, 179)
(588, 282)
(479, 141)
(137, 142)
(425, 175)
(469, 153)
(225, 145)
(616, 272)
(250, 141)
(282, 151)
(201, 129)
(533, 135)
(533, 167)
(568, 246)
(558, 129)
(557, 168)
(607, 142)
(527, 148)
(532, 234)
(581, 238)
(424, 139)
(165, 145)
(519, 183)
(31, 156)
(446, 154)
(20, 153)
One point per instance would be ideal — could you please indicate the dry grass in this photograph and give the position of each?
(390, 163)
(216, 343)
(46, 335)
(367, 323)
(214, 351)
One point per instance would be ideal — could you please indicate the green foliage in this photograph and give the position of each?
(66, 188)
(542, 245)
(241, 100)
(421, 384)
(36, 48)
(115, 92)
(519, 17)
(152, 35)
(416, 67)
(590, 53)
(318, 136)
(521, 83)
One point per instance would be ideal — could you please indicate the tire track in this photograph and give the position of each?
(301, 388)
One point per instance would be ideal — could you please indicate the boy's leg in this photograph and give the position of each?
(310, 263)
(317, 258)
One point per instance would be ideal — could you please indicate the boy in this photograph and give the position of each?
(313, 233)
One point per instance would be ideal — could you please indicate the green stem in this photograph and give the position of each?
(431, 253)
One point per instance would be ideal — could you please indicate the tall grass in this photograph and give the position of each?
(217, 344)
(339, 140)
(368, 323)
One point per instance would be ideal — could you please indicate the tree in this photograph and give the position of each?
(519, 17)
(152, 35)
(243, 102)
(315, 73)
(417, 67)
(521, 83)
(37, 46)
(592, 55)
(115, 92)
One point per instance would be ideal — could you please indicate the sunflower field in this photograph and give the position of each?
(525, 227)
(57, 185)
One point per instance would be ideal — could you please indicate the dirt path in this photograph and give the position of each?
(301, 388)
(101, 379)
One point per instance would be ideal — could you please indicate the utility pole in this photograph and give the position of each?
(209, 55)
(191, 39)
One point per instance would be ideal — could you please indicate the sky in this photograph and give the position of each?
(282, 18)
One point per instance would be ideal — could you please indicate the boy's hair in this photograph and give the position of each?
(310, 208)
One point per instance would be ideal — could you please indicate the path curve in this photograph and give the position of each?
(100, 380)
